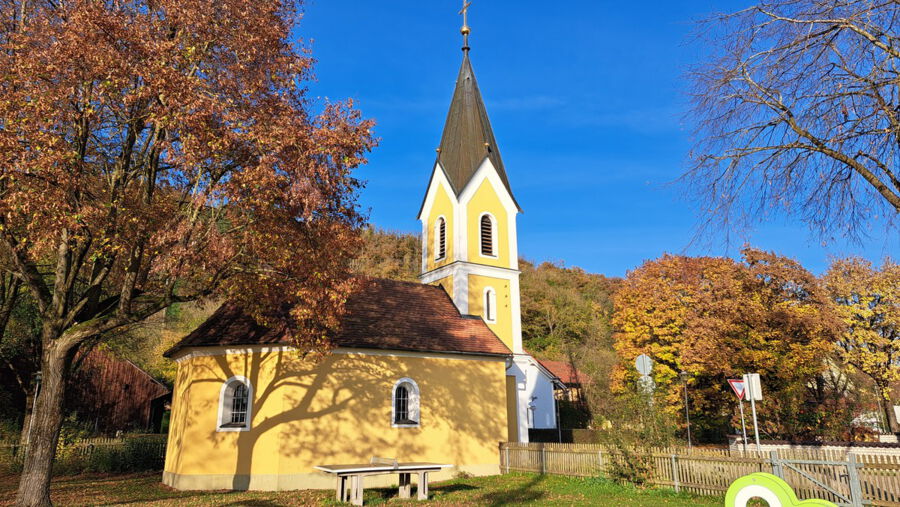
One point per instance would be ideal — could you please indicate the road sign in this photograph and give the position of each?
(753, 387)
(754, 394)
(644, 364)
(737, 386)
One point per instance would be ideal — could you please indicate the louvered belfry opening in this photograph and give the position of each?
(487, 235)
(442, 238)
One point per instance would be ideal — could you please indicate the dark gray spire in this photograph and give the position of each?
(468, 138)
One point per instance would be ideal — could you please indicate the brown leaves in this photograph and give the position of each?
(174, 140)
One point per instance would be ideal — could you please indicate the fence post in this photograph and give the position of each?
(543, 459)
(777, 467)
(600, 462)
(675, 473)
(506, 448)
(856, 497)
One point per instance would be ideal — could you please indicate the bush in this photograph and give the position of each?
(633, 423)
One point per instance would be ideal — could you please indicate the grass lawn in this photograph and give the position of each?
(509, 489)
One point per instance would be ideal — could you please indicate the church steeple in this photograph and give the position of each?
(468, 137)
(469, 243)
(469, 214)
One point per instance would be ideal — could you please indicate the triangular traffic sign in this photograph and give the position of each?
(737, 385)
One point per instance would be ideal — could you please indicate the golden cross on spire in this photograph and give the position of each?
(465, 27)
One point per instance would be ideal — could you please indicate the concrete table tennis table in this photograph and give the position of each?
(350, 478)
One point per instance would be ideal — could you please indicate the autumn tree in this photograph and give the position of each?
(564, 307)
(715, 319)
(389, 254)
(160, 152)
(868, 302)
(796, 111)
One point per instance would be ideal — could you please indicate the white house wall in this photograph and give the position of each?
(535, 389)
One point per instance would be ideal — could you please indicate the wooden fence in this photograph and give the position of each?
(842, 478)
(151, 448)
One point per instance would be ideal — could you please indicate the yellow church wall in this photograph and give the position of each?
(503, 325)
(442, 206)
(336, 411)
(446, 283)
(486, 199)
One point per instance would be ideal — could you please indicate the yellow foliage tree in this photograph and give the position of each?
(869, 305)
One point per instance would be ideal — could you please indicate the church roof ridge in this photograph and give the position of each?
(382, 314)
(468, 137)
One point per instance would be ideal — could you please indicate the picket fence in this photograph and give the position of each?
(151, 445)
(840, 477)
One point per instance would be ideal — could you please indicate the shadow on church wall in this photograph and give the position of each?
(336, 411)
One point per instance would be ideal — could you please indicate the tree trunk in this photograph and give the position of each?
(26, 421)
(890, 417)
(43, 435)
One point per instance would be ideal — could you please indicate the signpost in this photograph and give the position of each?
(644, 366)
(739, 389)
(753, 391)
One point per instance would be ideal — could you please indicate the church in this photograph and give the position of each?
(432, 371)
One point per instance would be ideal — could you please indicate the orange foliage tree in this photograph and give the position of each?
(159, 152)
(715, 319)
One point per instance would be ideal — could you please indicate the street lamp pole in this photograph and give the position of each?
(687, 413)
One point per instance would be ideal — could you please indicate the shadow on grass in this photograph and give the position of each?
(252, 503)
(453, 488)
(434, 492)
(517, 495)
(127, 489)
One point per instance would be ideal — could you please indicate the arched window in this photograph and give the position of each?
(235, 402)
(440, 239)
(490, 304)
(405, 409)
(487, 237)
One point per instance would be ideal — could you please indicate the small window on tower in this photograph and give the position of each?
(440, 239)
(490, 305)
(487, 235)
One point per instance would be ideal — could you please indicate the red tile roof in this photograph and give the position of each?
(383, 314)
(566, 373)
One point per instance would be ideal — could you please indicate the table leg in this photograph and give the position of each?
(358, 496)
(405, 488)
(423, 486)
(341, 489)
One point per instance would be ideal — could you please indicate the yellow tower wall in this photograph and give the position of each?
(503, 326)
(486, 199)
(443, 206)
(446, 283)
(336, 411)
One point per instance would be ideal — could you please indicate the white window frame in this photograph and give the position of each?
(437, 238)
(414, 403)
(494, 246)
(489, 292)
(225, 398)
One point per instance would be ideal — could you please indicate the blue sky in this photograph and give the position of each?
(586, 99)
